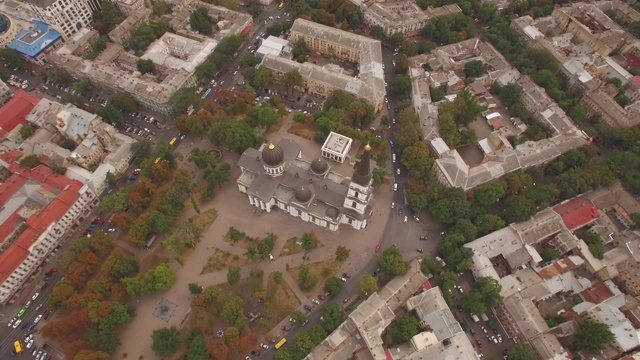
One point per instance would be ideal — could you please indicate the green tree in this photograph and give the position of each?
(401, 85)
(333, 286)
(518, 209)
(487, 12)
(392, 262)
(417, 160)
(332, 316)
(474, 68)
(11, 58)
(377, 32)
(233, 309)
(211, 293)
(396, 39)
(291, 79)
(30, 161)
(342, 253)
(402, 64)
(522, 352)
(110, 114)
(124, 102)
(368, 285)
(233, 275)
(160, 8)
(307, 242)
(593, 337)
(165, 341)
(82, 87)
(298, 316)
(194, 288)
(485, 293)
(405, 328)
(594, 241)
(26, 131)
(201, 21)
(197, 348)
(182, 99)
(145, 66)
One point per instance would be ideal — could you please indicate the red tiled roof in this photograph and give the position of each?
(424, 287)
(636, 79)
(559, 267)
(10, 186)
(577, 212)
(11, 258)
(11, 156)
(42, 174)
(633, 60)
(12, 113)
(598, 293)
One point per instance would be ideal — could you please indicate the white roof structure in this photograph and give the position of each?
(179, 53)
(439, 146)
(272, 45)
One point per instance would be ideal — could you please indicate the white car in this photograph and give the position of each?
(17, 323)
(11, 322)
(26, 306)
(37, 319)
(393, 205)
(111, 230)
(30, 337)
(35, 296)
(29, 344)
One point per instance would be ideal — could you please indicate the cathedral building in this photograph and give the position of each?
(277, 177)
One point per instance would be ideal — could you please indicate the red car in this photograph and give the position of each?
(87, 233)
(479, 343)
(53, 270)
(505, 351)
(95, 220)
(377, 248)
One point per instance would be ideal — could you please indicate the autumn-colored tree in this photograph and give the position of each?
(138, 202)
(61, 329)
(220, 352)
(247, 341)
(122, 220)
(118, 292)
(99, 286)
(74, 347)
(160, 172)
(139, 230)
(60, 293)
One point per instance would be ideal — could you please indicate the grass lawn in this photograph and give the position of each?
(290, 247)
(220, 260)
(283, 299)
(323, 270)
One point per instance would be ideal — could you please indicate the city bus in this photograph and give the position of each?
(17, 346)
(207, 94)
(281, 5)
(173, 141)
(280, 343)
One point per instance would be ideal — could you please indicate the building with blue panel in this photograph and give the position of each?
(35, 43)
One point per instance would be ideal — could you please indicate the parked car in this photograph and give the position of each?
(285, 328)
(321, 297)
(308, 308)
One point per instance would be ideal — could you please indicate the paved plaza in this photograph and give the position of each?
(234, 210)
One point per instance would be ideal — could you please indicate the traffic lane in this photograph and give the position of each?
(10, 335)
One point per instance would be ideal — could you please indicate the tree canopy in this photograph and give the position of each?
(201, 21)
(593, 337)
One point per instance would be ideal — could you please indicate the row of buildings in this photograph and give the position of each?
(175, 55)
(404, 17)
(39, 207)
(592, 49)
(574, 287)
(368, 84)
(499, 156)
(360, 336)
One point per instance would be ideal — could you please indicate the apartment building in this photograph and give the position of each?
(361, 50)
(403, 17)
(175, 57)
(39, 208)
(67, 16)
(35, 43)
(130, 7)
